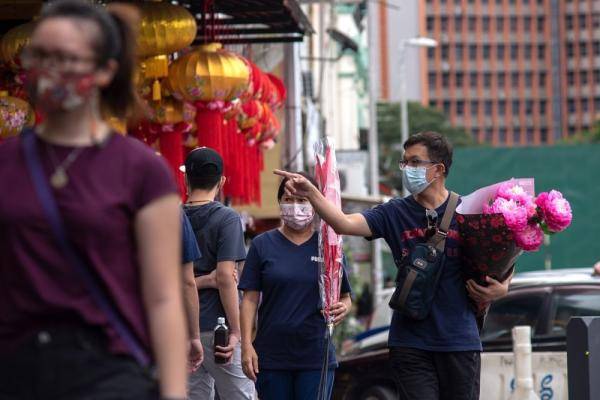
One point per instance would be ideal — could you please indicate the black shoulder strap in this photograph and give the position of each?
(439, 238)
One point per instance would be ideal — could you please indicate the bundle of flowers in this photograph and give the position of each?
(499, 222)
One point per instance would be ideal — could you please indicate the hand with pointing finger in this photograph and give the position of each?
(296, 184)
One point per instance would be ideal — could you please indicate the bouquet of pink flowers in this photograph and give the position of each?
(499, 222)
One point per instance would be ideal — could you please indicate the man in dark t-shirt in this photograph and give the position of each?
(438, 357)
(218, 230)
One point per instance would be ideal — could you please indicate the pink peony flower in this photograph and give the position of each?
(531, 238)
(555, 209)
(515, 215)
(511, 190)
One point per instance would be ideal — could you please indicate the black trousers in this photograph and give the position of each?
(426, 375)
(72, 365)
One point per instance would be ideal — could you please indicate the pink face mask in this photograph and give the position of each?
(297, 216)
(52, 91)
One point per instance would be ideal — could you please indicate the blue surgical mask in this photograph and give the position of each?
(414, 179)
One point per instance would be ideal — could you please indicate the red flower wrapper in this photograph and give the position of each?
(487, 247)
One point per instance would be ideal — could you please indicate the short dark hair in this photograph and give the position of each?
(116, 41)
(207, 182)
(281, 190)
(438, 147)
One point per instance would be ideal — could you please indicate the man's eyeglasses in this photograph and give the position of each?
(415, 163)
(432, 218)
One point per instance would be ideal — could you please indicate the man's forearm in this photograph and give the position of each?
(328, 212)
(191, 303)
(228, 293)
(206, 282)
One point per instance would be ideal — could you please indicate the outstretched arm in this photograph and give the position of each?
(343, 224)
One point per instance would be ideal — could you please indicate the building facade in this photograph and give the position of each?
(514, 72)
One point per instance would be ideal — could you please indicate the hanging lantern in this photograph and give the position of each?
(279, 94)
(15, 114)
(12, 43)
(210, 78)
(164, 29)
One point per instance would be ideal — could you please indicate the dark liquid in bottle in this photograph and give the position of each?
(221, 339)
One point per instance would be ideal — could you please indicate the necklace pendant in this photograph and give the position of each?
(59, 178)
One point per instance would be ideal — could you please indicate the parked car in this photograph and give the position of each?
(544, 300)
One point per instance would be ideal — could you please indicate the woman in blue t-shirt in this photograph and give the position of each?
(286, 357)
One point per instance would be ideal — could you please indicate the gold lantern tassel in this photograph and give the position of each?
(156, 68)
(156, 91)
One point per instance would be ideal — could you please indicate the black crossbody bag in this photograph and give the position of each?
(419, 272)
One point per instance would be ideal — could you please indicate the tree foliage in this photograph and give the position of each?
(420, 119)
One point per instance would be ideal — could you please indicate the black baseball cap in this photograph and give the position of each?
(203, 162)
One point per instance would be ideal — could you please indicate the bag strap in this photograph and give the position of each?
(52, 213)
(438, 240)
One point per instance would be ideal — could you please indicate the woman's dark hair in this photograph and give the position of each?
(116, 41)
(438, 147)
(281, 190)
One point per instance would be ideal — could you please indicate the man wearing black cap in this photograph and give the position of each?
(220, 236)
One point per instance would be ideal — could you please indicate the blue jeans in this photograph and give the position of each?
(291, 385)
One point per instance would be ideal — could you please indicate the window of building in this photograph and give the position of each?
(541, 51)
(500, 50)
(485, 22)
(444, 23)
(583, 77)
(460, 107)
(430, 22)
(540, 2)
(486, 51)
(459, 51)
(472, 51)
(569, 22)
(499, 23)
(431, 53)
(527, 51)
(596, 103)
(583, 49)
(528, 107)
(472, 21)
(513, 23)
(514, 78)
(542, 79)
(487, 107)
(529, 136)
(570, 50)
(527, 22)
(541, 24)
(585, 105)
(542, 105)
(528, 79)
(571, 105)
(525, 2)
(459, 79)
(501, 79)
(596, 46)
(445, 49)
(501, 136)
(501, 107)
(515, 106)
(596, 20)
(432, 79)
(487, 79)
(571, 78)
(582, 21)
(458, 20)
(596, 76)
(514, 51)
(544, 134)
(445, 79)
(474, 107)
(446, 106)
(473, 79)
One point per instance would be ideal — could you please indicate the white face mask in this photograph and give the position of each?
(297, 216)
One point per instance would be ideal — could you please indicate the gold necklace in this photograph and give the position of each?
(59, 178)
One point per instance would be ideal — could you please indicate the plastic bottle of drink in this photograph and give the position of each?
(221, 338)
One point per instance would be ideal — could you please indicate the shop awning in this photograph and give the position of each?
(253, 21)
(236, 21)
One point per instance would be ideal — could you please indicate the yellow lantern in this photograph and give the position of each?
(209, 74)
(15, 114)
(166, 111)
(164, 29)
(13, 42)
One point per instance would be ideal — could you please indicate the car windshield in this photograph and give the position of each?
(513, 310)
